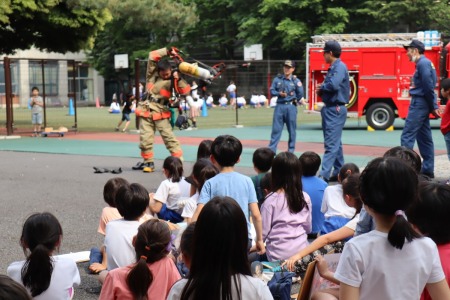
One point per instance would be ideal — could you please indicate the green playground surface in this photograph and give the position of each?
(96, 137)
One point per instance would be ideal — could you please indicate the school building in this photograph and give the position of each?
(66, 76)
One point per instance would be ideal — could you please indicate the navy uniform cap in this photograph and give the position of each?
(416, 44)
(290, 63)
(332, 46)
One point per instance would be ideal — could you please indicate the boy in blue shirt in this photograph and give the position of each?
(314, 187)
(225, 153)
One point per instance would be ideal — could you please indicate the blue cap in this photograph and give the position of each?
(416, 44)
(332, 46)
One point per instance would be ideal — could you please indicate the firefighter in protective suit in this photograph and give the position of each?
(154, 112)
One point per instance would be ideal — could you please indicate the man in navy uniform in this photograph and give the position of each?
(335, 93)
(423, 102)
(289, 90)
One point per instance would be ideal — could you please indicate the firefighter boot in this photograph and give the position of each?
(149, 167)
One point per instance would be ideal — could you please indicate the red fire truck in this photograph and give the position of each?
(380, 73)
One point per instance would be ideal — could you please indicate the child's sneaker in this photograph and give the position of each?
(116, 129)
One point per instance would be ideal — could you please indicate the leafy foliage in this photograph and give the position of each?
(52, 25)
(139, 26)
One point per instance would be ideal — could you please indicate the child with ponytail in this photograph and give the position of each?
(164, 202)
(393, 261)
(154, 273)
(43, 275)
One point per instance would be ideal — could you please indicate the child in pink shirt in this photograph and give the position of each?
(110, 212)
(152, 275)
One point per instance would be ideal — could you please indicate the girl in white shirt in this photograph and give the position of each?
(337, 212)
(175, 188)
(219, 268)
(43, 275)
(202, 170)
(393, 261)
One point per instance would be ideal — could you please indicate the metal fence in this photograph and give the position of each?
(249, 77)
(56, 81)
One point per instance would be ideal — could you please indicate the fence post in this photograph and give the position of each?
(8, 94)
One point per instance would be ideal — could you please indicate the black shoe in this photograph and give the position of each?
(333, 179)
(139, 166)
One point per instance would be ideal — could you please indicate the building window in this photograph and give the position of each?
(51, 75)
(14, 78)
(83, 81)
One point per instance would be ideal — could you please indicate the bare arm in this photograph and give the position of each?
(257, 222)
(155, 206)
(348, 292)
(197, 212)
(439, 290)
(334, 236)
(322, 267)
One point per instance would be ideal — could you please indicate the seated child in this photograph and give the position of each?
(223, 101)
(9, 289)
(44, 276)
(263, 100)
(131, 201)
(185, 249)
(220, 239)
(204, 149)
(203, 170)
(286, 212)
(175, 188)
(330, 241)
(393, 261)
(412, 159)
(210, 100)
(430, 215)
(110, 212)
(314, 187)
(273, 102)
(254, 100)
(262, 162)
(98, 259)
(114, 108)
(337, 212)
(153, 273)
(226, 151)
(241, 102)
(266, 185)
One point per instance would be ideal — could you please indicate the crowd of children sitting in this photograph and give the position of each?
(292, 213)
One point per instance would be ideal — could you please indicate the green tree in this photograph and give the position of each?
(53, 25)
(415, 14)
(137, 27)
(287, 25)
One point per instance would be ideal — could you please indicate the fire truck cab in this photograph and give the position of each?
(380, 73)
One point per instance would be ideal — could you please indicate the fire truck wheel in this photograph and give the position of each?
(380, 116)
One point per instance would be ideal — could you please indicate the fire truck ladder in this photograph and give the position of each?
(366, 39)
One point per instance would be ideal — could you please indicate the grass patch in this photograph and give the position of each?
(91, 119)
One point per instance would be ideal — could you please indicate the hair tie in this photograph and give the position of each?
(144, 257)
(400, 213)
